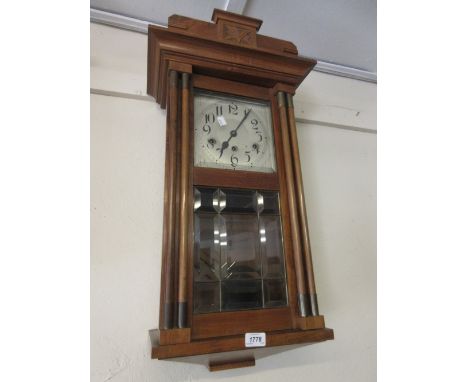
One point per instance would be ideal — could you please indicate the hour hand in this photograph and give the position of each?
(224, 146)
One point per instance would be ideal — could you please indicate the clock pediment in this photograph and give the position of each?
(229, 48)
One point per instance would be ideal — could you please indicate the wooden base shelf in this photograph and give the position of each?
(233, 343)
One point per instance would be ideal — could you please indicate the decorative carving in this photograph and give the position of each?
(238, 35)
(199, 43)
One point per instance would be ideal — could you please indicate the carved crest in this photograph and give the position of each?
(238, 35)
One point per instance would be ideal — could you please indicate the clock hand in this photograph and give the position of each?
(233, 133)
(224, 145)
(240, 123)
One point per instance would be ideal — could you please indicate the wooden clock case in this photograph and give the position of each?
(228, 56)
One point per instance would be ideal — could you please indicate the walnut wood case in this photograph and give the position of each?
(228, 56)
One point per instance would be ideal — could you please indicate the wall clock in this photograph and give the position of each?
(237, 271)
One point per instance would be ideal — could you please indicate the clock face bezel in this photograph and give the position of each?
(246, 132)
(209, 176)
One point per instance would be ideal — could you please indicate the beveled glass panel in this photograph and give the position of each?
(206, 297)
(206, 261)
(203, 199)
(270, 203)
(219, 200)
(240, 201)
(240, 255)
(271, 246)
(241, 294)
(274, 292)
(259, 202)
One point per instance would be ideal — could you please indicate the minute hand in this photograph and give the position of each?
(233, 133)
(240, 123)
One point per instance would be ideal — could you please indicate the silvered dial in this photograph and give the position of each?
(233, 133)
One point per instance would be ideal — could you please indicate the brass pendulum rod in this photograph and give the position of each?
(166, 317)
(303, 298)
(184, 207)
(301, 207)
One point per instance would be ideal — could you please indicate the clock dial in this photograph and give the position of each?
(233, 133)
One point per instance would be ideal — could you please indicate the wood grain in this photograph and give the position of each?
(311, 322)
(174, 336)
(285, 216)
(295, 235)
(233, 364)
(184, 204)
(230, 87)
(237, 179)
(266, 61)
(166, 317)
(301, 207)
(230, 323)
(191, 238)
(219, 345)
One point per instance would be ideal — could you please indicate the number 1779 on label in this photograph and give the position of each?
(255, 340)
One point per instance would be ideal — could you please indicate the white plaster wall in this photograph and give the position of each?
(338, 149)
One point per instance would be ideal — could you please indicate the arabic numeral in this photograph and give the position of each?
(234, 161)
(210, 117)
(254, 123)
(233, 109)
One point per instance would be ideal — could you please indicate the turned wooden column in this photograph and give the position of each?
(302, 295)
(184, 212)
(301, 208)
(168, 274)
